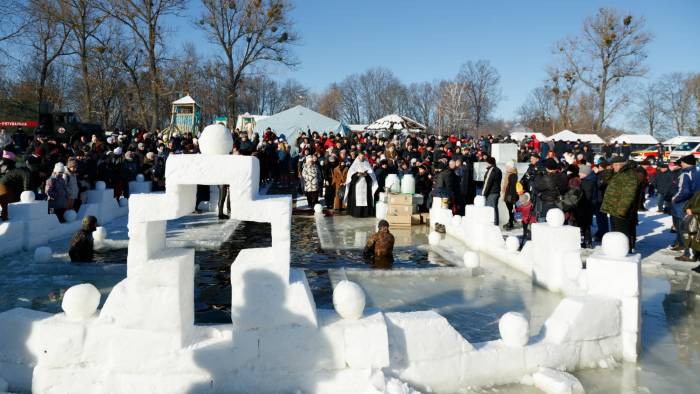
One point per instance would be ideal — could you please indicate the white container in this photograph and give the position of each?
(393, 183)
(408, 184)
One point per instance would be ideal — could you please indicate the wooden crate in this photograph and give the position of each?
(399, 220)
(400, 210)
(400, 199)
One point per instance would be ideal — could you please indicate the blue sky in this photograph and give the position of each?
(428, 40)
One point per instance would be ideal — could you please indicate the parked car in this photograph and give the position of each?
(650, 153)
(690, 145)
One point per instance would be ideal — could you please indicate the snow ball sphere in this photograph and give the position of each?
(43, 254)
(434, 238)
(140, 178)
(70, 216)
(100, 185)
(215, 140)
(27, 196)
(514, 329)
(123, 202)
(456, 220)
(471, 259)
(555, 217)
(80, 301)
(100, 234)
(318, 208)
(615, 244)
(479, 201)
(349, 300)
(512, 243)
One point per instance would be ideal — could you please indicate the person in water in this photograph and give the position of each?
(82, 245)
(380, 247)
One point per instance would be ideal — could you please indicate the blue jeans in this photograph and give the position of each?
(492, 201)
(602, 222)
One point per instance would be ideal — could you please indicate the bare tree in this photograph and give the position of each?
(677, 101)
(352, 101)
(452, 112)
(537, 112)
(293, 93)
(48, 38)
(481, 81)
(377, 87)
(423, 102)
(649, 111)
(694, 87)
(611, 48)
(14, 19)
(562, 85)
(144, 20)
(331, 102)
(249, 32)
(83, 19)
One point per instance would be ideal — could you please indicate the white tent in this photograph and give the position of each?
(568, 135)
(396, 122)
(679, 139)
(636, 139)
(297, 119)
(521, 135)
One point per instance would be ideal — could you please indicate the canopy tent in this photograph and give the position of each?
(521, 135)
(396, 122)
(636, 139)
(296, 120)
(568, 135)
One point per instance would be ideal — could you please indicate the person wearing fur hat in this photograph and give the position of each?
(549, 187)
(57, 191)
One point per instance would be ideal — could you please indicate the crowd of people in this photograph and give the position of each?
(349, 171)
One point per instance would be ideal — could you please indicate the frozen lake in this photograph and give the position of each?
(670, 359)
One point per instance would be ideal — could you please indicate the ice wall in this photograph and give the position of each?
(30, 225)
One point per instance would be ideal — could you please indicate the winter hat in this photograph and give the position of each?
(618, 159)
(689, 159)
(510, 164)
(118, 151)
(141, 145)
(129, 155)
(151, 156)
(551, 165)
(584, 170)
(524, 198)
(7, 155)
(59, 168)
(110, 140)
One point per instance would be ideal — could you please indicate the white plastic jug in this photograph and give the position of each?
(408, 184)
(393, 183)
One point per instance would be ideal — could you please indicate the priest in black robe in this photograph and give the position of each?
(360, 187)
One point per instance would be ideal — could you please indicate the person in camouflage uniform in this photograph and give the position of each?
(380, 247)
(620, 200)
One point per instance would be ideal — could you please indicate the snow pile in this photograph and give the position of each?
(514, 329)
(27, 196)
(215, 139)
(43, 254)
(555, 217)
(349, 300)
(552, 381)
(434, 238)
(615, 245)
(70, 216)
(80, 301)
(512, 243)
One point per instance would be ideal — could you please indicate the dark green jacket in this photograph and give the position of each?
(694, 205)
(621, 193)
